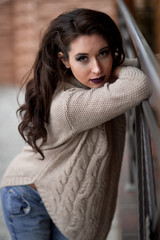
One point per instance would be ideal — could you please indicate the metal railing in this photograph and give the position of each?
(143, 131)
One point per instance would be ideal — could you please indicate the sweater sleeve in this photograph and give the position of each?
(86, 109)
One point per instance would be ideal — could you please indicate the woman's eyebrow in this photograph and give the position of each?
(86, 54)
(81, 54)
(104, 48)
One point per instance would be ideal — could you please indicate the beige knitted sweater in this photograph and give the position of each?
(78, 179)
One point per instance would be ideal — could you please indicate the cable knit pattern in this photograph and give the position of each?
(78, 180)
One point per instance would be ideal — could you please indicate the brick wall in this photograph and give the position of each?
(6, 43)
(22, 24)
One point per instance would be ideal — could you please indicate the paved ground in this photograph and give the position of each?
(11, 143)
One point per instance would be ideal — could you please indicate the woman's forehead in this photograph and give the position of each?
(88, 42)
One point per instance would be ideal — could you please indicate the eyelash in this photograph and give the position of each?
(104, 53)
(84, 58)
(81, 59)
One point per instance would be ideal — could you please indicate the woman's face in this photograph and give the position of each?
(90, 60)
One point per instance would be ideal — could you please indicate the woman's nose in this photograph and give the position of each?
(95, 66)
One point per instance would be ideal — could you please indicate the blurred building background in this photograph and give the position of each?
(147, 15)
(22, 24)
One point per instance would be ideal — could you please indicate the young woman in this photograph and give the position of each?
(63, 185)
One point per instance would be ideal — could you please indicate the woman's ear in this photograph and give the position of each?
(63, 59)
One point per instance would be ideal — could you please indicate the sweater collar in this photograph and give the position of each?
(76, 83)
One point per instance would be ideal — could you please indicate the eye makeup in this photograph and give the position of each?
(82, 57)
(104, 51)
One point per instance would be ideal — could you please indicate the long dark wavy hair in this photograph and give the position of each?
(48, 68)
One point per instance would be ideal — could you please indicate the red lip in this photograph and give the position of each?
(98, 80)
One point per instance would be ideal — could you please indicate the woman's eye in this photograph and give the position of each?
(81, 59)
(104, 53)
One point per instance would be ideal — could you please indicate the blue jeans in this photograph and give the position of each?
(25, 215)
